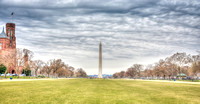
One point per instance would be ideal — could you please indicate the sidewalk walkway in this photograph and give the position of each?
(172, 81)
(13, 80)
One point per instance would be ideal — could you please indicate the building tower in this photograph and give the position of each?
(10, 32)
(100, 61)
(7, 47)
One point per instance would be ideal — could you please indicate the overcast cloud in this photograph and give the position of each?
(131, 31)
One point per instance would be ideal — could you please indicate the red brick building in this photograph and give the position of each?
(8, 44)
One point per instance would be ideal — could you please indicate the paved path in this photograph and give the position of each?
(173, 81)
(13, 80)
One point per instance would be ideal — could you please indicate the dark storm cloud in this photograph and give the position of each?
(131, 31)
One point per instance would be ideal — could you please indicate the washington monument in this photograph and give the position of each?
(100, 61)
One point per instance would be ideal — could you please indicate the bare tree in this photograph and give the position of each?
(47, 68)
(56, 65)
(62, 72)
(81, 73)
(171, 69)
(115, 75)
(171, 66)
(181, 59)
(131, 72)
(159, 69)
(195, 69)
(148, 72)
(121, 74)
(139, 68)
(19, 60)
(196, 58)
(69, 71)
(37, 64)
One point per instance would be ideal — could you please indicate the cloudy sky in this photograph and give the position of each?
(131, 31)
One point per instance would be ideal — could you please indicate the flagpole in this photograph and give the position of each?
(12, 14)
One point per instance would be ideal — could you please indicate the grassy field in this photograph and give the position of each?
(97, 91)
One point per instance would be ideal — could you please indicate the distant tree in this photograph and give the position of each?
(121, 74)
(65, 71)
(47, 68)
(37, 64)
(62, 72)
(115, 75)
(180, 59)
(171, 66)
(195, 58)
(139, 68)
(159, 69)
(131, 72)
(171, 69)
(148, 71)
(56, 65)
(69, 71)
(19, 60)
(81, 73)
(195, 69)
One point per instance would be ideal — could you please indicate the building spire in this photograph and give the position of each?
(3, 29)
(3, 34)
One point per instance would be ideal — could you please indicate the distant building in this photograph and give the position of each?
(7, 45)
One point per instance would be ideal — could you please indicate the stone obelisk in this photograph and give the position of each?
(100, 61)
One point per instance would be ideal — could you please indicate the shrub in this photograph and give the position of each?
(2, 69)
(41, 76)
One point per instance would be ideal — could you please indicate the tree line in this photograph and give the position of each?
(23, 59)
(169, 68)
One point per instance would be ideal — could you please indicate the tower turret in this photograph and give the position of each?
(10, 32)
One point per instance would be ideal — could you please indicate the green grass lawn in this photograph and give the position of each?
(97, 91)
